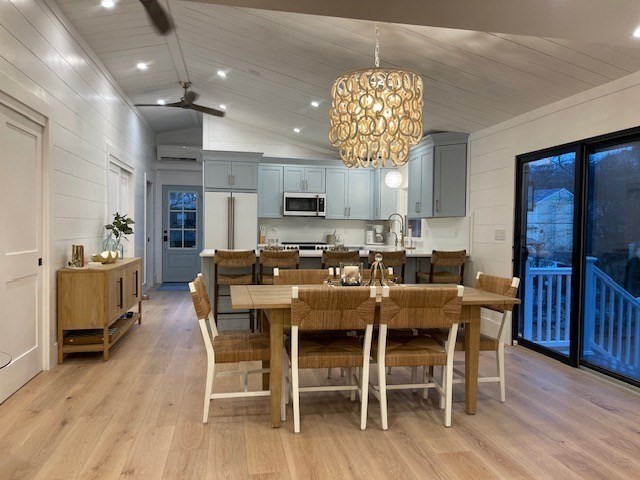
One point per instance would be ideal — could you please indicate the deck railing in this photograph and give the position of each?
(612, 315)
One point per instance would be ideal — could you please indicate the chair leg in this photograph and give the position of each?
(352, 393)
(328, 372)
(284, 393)
(382, 387)
(296, 396)
(443, 383)
(500, 362)
(414, 377)
(216, 295)
(207, 391)
(425, 376)
(389, 371)
(364, 395)
(448, 392)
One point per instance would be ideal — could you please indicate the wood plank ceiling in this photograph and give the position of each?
(276, 63)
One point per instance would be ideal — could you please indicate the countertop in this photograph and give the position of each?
(364, 252)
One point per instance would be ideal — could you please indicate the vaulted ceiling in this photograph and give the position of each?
(276, 62)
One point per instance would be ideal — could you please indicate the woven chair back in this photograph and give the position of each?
(333, 308)
(332, 258)
(390, 259)
(301, 277)
(200, 298)
(280, 258)
(448, 259)
(421, 307)
(235, 258)
(500, 285)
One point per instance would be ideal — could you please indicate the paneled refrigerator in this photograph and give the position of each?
(230, 220)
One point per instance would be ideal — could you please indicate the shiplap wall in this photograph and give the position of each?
(492, 151)
(46, 66)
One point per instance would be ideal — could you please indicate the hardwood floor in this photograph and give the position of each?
(139, 416)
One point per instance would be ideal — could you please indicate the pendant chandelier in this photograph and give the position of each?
(376, 114)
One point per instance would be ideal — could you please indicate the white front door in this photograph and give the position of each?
(21, 228)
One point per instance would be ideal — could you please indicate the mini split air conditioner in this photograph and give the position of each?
(179, 153)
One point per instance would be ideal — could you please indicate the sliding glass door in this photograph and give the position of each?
(611, 334)
(577, 253)
(548, 184)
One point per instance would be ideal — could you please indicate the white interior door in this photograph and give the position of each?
(20, 249)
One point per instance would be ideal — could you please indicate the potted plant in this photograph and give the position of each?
(118, 229)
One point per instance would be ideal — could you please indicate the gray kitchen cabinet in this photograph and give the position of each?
(349, 194)
(270, 190)
(385, 198)
(230, 171)
(437, 176)
(304, 179)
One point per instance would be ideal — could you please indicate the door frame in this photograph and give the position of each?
(48, 354)
(582, 149)
(149, 243)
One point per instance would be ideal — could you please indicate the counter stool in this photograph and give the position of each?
(332, 258)
(280, 259)
(448, 260)
(397, 260)
(238, 268)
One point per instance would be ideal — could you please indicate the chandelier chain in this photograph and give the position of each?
(377, 45)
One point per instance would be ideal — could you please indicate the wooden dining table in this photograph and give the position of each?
(275, 301)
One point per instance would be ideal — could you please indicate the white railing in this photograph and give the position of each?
(612, 315)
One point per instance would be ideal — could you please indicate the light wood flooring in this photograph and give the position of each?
(139, 416)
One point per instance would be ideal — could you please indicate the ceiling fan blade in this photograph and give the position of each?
(174, 104)
(208, 111)
(158, 16)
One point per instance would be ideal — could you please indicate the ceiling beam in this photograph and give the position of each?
(594, 21)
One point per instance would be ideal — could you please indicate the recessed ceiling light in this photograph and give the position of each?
(223, 107)
(636, 33)
(315, 104)
(142, 66)
(161, 102)
(297, 130)
(108, 3)
(222, 74)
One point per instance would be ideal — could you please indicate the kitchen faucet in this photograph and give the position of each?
(401, 228)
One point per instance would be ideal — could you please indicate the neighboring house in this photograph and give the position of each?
(550, 223)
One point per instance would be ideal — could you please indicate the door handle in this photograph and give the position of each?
(437, 205)
(121, 302)
(136, 280)
(165, 238)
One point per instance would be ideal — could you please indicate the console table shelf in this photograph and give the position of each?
(93, 305)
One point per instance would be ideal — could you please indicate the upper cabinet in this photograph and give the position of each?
(270, 190)
(230, 171)
(385, 199)
(304, 179)
(438, 176)
(349, 194)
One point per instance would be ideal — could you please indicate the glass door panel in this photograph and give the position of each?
(546, 250)
(611, 333)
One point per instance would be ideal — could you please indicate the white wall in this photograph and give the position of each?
(492, 153)
(44, 65)
(187, 136)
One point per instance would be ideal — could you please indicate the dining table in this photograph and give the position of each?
(275, 302)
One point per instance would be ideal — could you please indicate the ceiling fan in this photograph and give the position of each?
(159, 18)
(186, 102)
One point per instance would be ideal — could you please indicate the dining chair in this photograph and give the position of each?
(331, 309)
(220, 349)
(396, 259)
(417, 307)
(300, 277)
(233, 267)
(441, 267)
(333, 258)
(280, 259)
(488, 343)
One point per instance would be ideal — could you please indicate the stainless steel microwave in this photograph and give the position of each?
(305, 204)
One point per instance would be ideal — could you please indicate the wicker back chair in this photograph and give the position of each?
(333, 309)
(450, 261)
(280, 259)
(419, 307)
(233, 267)
(300, 277)
(489, 343)
(332, 258)
(225, 348)
(397, 260)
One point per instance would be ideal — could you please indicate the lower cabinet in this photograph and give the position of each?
(94, 306)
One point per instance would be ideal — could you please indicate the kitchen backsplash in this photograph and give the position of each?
(439, 233)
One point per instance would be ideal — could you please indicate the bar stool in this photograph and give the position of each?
(280, 259)
(235, 265)
(446, 275)
(396, 260)
(333, 258)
